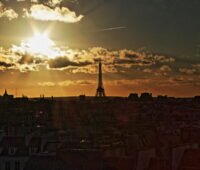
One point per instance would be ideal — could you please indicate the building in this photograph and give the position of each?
(6, 97)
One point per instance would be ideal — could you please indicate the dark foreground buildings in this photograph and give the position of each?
(138, 132)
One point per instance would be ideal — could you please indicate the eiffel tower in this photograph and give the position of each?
(100, 90)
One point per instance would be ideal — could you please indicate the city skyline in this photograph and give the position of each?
(52, 47)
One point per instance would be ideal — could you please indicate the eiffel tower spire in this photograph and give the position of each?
(100, 90)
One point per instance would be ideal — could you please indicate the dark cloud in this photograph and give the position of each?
(6, 65)
(28, 59)
(133, 62)
(141, 59)
(63, 62)
(186, 80)
(129, 55)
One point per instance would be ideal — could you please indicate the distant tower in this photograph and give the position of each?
(100, 90)
(5, 93)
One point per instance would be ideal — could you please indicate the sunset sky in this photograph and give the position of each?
(52, 47)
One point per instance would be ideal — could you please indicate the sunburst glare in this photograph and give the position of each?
(40, 45)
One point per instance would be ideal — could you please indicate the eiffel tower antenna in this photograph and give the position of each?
(100, 90)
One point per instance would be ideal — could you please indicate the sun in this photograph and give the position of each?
(40, 44)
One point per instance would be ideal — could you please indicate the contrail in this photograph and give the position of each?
(110, 29)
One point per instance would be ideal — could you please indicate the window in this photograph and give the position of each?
(7, 165)
(12, 150)
(17, 165)
(33, 150)
(1, 149)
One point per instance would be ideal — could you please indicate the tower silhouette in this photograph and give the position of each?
(100, 90)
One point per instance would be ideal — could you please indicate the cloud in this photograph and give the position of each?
(67, 83)
(191, 70)
(76, 82)
(8, 13)
(28, 59)
(123, 67)
(120, 61)
(54, 3)
(147, 70)
(89, 69)
(5, 66)
(17, 61)
(141, 58)
(187, 70)
(164, 70)
(45, 13)
(6, 61)
(186, 80)
(48, 84)
(27, 67)
(85, 60)
(161, 58)
(64, 62)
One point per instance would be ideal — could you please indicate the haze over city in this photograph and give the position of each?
(52, 47)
